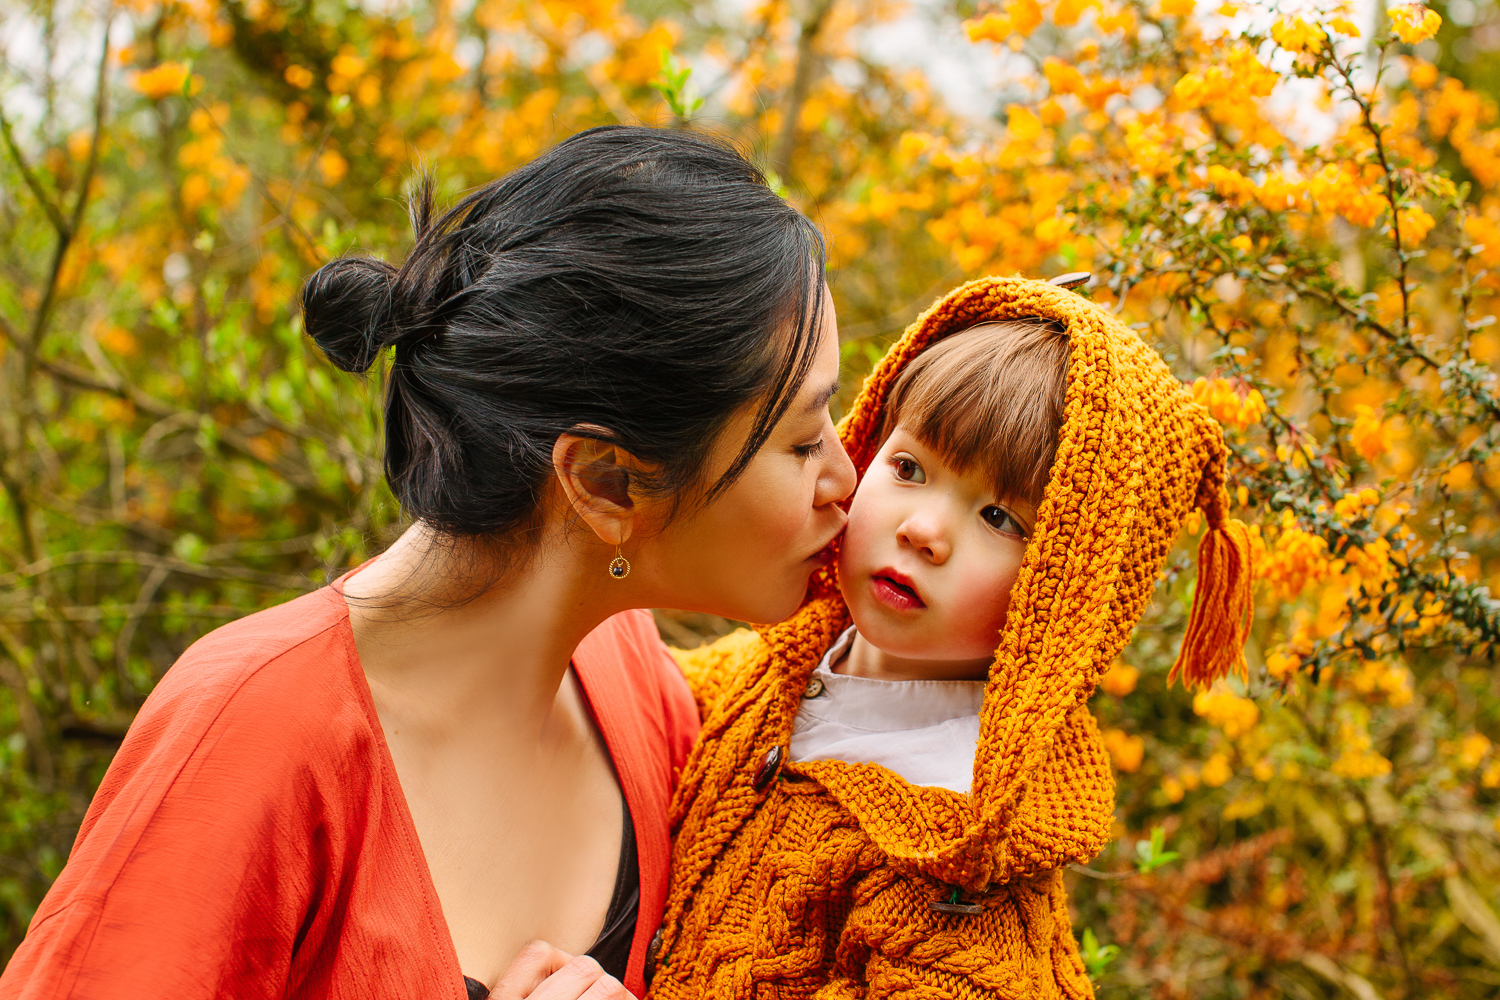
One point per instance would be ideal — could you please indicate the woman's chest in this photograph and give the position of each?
(522, 840)
(531, 859)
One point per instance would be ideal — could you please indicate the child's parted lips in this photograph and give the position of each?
(896, 589)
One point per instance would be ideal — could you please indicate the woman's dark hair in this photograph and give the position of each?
(635, 279)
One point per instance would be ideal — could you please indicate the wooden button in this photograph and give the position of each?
(965, 909)
(653, 952)
(769, 765)
(814, 688)
(952, 905)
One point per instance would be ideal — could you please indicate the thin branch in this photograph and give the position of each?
(143, 599)
(1387, 890)
(1314, 961)
(1357, 985)
(30, 719)
(302, 432)
(32, 181)
(1363, 320)
(42, 567)
(17, 497)
(802, 79)
(1102, 876)
(1377, 133)
(159, 408)
(68, 230)
(101, 108)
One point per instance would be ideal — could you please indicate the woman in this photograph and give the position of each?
(609, 392)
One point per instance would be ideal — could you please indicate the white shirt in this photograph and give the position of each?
(925, 731)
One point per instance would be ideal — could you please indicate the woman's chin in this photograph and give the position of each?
(778, 606)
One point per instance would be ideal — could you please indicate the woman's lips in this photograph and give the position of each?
(895, 591)
(824, 556)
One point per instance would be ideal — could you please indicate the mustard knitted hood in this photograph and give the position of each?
(1135, 456)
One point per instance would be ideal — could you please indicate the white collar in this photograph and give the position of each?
(925, 731)
(888, 706)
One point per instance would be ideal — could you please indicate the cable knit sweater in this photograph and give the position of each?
(838, 880)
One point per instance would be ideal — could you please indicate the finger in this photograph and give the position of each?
(570, 982)
(607, 987)
(529, 969)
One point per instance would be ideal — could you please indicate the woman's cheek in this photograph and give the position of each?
(777, 511)
(795, 510)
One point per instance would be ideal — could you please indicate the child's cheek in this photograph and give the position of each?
(854, 554)
(979, 604)
(870, 520)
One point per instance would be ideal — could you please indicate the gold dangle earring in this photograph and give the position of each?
(619, 567)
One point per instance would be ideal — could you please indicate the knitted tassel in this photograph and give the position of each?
(1214, 643)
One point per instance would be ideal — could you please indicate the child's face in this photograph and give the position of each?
(930, 556)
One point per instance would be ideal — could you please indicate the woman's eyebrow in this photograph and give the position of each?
(821, 399)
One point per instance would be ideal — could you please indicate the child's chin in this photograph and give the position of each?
(890, 637)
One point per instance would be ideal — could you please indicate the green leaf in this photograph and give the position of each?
(775, 183)
(674, 83)
(1097, 957)
(1150, 855)
(189, 547)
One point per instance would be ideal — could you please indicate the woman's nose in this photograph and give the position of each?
(924, 532)
(838, 479)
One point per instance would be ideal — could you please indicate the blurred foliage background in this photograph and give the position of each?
(1300, 206)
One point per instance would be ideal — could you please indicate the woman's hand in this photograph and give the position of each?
(542, 972)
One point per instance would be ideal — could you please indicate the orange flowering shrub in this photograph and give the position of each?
(1328, 300)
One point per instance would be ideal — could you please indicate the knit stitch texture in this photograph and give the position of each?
(819, 882)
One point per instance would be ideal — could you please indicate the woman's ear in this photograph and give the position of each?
(595, 477)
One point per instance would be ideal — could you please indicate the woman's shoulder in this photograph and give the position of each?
(285, 663)
(624, 662)
(257, 706)
(224, 836)
(263, 724)
(628, 648)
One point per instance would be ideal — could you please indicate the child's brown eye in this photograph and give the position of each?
(1002, 520)
(909, 471)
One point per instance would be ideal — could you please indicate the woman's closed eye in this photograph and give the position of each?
(1003, 520)
(907, 470)
(809, 450)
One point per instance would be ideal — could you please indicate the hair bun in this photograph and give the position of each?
(346, 308)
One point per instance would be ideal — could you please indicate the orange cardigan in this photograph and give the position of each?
(251, 839)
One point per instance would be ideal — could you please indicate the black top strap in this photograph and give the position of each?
(612, 949)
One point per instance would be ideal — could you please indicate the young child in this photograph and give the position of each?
(937, 532)
(882, 802)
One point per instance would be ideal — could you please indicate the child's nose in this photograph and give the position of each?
(925, 534)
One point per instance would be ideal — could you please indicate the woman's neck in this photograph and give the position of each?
(493, 743)
(423, 634)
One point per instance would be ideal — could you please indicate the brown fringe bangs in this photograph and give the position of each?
(989, 397)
